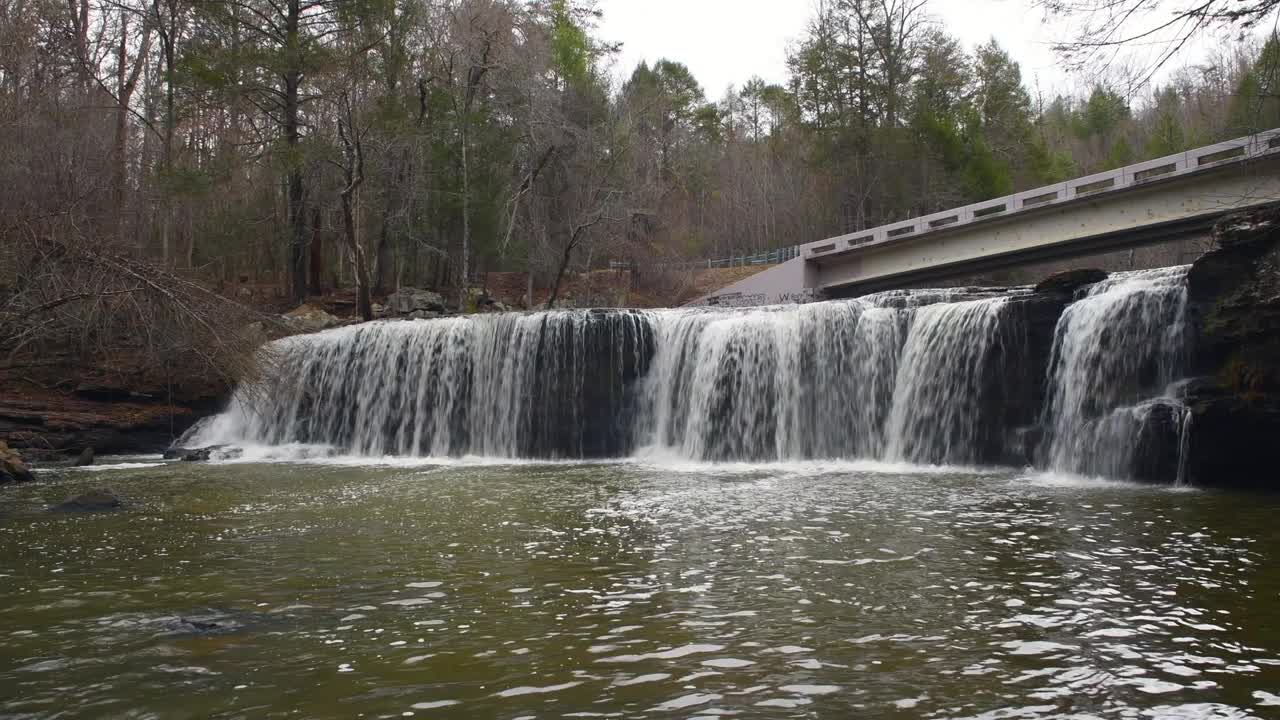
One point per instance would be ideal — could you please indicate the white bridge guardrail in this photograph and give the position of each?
(1130, 176)
(768, 257)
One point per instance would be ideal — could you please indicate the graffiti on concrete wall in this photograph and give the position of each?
(738, 299)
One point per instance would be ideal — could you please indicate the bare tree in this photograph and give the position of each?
(1105, 29)
(353, 174)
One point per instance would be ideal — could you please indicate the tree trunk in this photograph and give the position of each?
(316, 281)
(464, 264)
(383, 259)
(293, 138)
(167, 46)
(564, 264)
(528, 268)
(354, 172)
(364, 303)
(119, 157)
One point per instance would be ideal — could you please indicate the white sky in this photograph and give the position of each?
(725, 42)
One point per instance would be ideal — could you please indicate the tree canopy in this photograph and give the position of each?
(315, 144)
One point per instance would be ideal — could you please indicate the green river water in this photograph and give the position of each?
(633, 590)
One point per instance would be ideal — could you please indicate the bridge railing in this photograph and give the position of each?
(1219, 154)
(767, 257)
(1228, 152)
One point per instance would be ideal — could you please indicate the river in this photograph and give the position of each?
(645, 588)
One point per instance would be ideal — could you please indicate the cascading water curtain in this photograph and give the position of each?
(545, 385)
(933, 377)
(1117, 353)
(897, 376)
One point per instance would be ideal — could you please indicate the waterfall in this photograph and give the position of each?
(772, 383)
(548, 385)
(1117, 353)
(898, 376)
(937, 406)
(923, 376)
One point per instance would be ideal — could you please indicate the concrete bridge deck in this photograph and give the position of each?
(1156, 201)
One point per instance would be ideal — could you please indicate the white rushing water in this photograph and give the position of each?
(924, 377)
(1116, 356)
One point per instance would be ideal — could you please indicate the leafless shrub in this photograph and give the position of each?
(73, 302)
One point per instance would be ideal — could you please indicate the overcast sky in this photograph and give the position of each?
(725, 42)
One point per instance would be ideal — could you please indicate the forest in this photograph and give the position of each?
(312, 145)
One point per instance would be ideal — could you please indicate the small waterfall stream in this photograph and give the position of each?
(903, 376)
(1117, 352)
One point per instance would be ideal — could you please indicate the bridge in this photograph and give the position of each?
(1157, 201)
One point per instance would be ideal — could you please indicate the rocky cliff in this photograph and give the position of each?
(1234, 295)
(47, 423)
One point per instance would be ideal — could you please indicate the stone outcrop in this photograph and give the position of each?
(45, 424)
(310, 318)
(1234, 295)
(12, 467)
(1068, 281)
(407, 301)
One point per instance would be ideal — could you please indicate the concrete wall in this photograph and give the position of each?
(792, 282)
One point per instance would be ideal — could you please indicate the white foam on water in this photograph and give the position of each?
(728, 663)
(671, 654)
(435, 704)
(686, 701)
(532, 690)
(641, 679)
(1070, 481)
(810, 689)
(105, 467)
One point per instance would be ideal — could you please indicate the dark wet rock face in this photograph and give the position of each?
(1157, 443)
(102, 499)
(1234, 292)
(1068, 281)
(202, 454)
(1019, 383)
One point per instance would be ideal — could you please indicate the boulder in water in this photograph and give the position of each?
(1068, 281)
(12, 468)
(203, 626)
(86, 458)
(93, 501)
